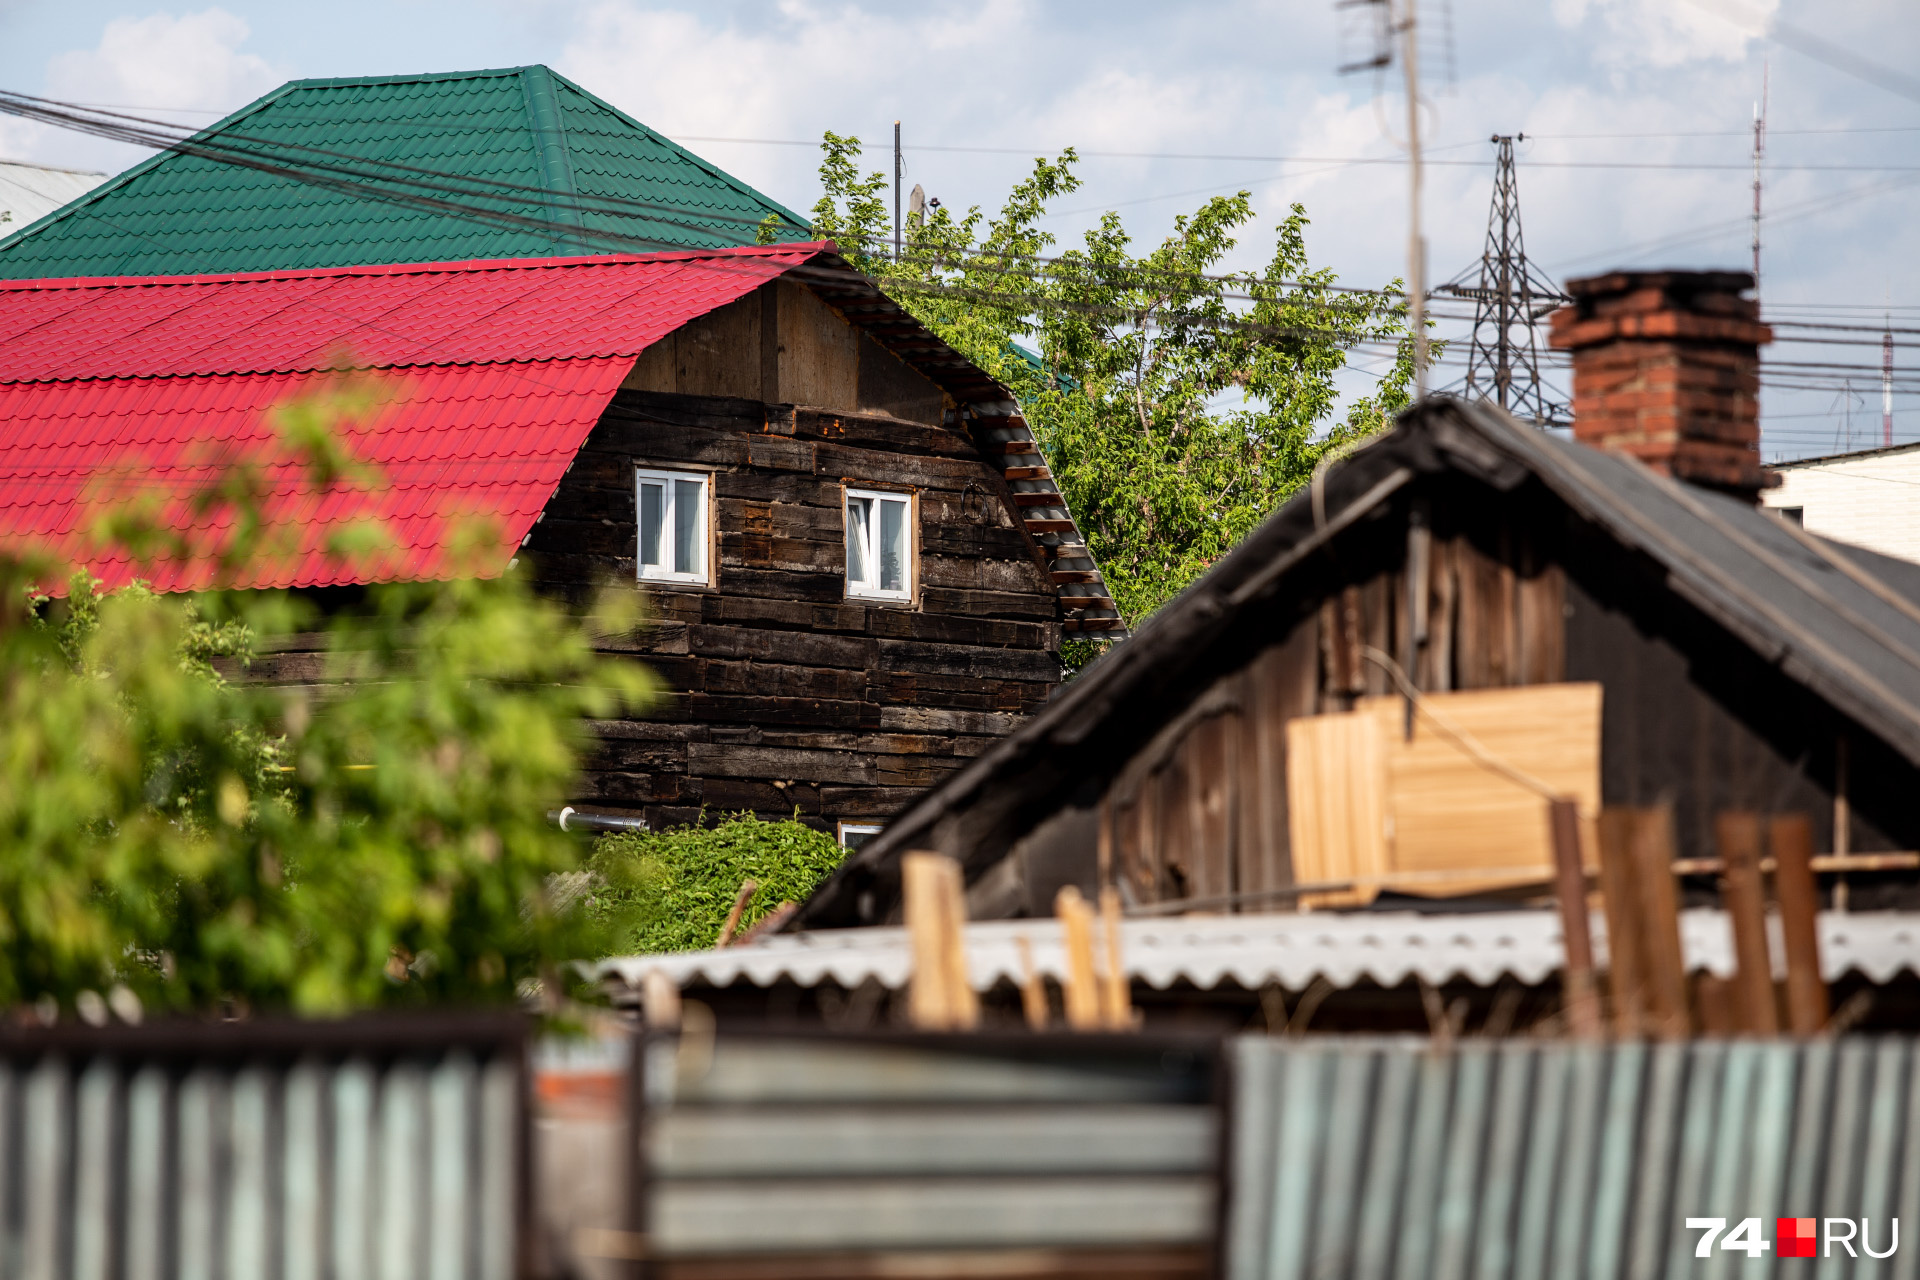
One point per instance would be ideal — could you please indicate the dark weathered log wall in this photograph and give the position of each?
(784, 693)
(1202, 812)
(1515, 597)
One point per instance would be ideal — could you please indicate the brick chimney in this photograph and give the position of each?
(1666, 367)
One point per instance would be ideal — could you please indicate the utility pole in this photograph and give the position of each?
(899, 171)
(1416, 242)
(1759, 148)
(1510, 297)
(1390, 19)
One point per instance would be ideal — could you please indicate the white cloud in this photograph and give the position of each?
(1667, 33)
(165, 62)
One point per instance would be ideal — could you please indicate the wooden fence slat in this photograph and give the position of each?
(1738, 837)
(1790, 836)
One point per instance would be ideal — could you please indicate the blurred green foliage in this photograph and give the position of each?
(217, 844)
(671, 890)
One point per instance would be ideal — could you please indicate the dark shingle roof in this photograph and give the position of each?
(522, 143)
(1843, 622)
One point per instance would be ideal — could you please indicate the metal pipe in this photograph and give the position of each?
(571, 819)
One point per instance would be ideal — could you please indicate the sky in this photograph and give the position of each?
(1637, 116)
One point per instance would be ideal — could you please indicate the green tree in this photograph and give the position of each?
(1178, 404)
(208, 843)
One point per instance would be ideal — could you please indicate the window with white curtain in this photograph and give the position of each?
(879, 545)
(673, 525)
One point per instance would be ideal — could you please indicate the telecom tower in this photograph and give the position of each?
(1510, 297)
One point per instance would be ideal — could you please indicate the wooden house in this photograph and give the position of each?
(859, 567)
(1377, 690)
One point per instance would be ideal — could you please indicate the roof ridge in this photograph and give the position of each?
(698, 161)
(412, 77)
(550, 152)
(807, 248)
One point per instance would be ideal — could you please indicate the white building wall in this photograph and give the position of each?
(1869, 499)
(29, 192)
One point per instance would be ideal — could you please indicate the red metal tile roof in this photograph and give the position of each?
(484, 378)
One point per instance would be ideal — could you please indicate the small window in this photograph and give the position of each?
(1792, 515)
(855, 834)
(673, 525)
(879, 545)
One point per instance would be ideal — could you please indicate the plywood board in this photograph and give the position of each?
(1337, 804)
(1448, 811)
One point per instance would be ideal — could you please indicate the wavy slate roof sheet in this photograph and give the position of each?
(484, 379)
(1253, 951)
(541, 167)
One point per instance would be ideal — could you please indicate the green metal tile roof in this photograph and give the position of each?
(467, 138)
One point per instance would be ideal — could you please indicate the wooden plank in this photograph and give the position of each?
(965, 660)
(653, 369)
(1210, 803)
(1283, 684)
(1737, 834)
(884, 383)
(940, 720)
(782, 646)
(1626, 944)
(958, 603)
(1659, 910)
(718, 354)
(1175, 784)
(729, 708)
(1340, 637)
(771, 679)
(819, 351)
(1150, 873)
(1336, 794)
(1480, 655)
(1579, 995)
(1541, 626)
(1791, 838)
(1377, 609)
(1450, 811)
(1442, 618)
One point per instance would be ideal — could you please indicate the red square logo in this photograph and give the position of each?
(1795, 1238)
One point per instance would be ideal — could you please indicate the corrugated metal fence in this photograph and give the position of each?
(343, 1151)
(1520, 1159)
(768, 1154)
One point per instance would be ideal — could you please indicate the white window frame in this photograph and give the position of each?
(871, 590)
(868, 829)
(703, 531)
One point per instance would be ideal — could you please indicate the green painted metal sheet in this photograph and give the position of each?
(531, 164)
(1529, 1160)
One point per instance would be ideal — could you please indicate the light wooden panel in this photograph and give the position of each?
(819, 352)
(1448, 811)
(1367, 803)
(1336, 793)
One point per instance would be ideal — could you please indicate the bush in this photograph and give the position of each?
(197, 844)
(671, 890)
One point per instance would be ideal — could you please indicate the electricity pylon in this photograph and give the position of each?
(1510, 297)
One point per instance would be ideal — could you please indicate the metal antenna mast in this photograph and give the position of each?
(1510, 297)
(1759, 149)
